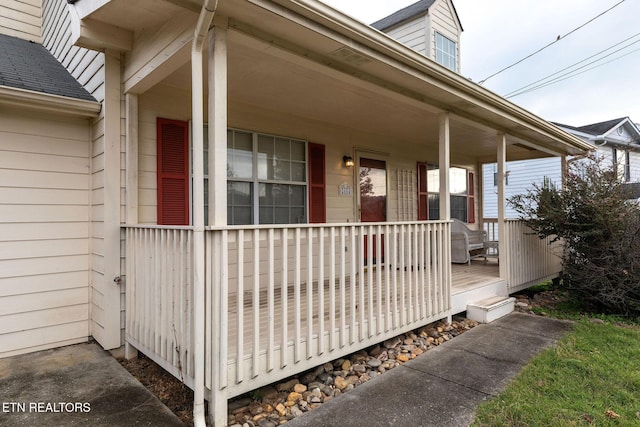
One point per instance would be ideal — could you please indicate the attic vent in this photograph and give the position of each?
(350, 56)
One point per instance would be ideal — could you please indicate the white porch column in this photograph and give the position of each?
(564, 168)
(503, 238)
(479, 195)
(444, 162)
(218, 126)
(217, 276)
(131, 158)
(444, 165)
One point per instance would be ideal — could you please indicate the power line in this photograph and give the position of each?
(558, 80)
(577, 63)
(553, 42)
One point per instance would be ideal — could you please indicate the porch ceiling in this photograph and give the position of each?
(303, 58)
(269, 77)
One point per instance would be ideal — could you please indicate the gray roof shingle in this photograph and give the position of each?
(600, 128)
(403, 14)
(30, 66)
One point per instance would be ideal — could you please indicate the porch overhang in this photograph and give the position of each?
(304, 58)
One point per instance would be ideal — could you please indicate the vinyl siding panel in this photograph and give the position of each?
(44, 231)
(522, 176)
(413, 34)
(21, 18)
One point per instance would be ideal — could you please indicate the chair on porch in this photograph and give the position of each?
(466, 243)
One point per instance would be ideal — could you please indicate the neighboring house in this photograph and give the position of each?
(285, 205)
(616, 141)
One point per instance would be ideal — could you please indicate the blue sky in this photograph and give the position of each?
(498, 33)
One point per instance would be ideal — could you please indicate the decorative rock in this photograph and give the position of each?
(375, 351)
(360, 369)
(374, 363)
(290, 399)
(294, 397)
(288, 386)
(340, 383)
(392, 343)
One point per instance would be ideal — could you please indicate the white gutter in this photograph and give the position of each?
(197, 98)
(16, 97)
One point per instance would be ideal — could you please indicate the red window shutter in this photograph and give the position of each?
(317, 187)
(471, 201)
(423, 193)
(173, 172)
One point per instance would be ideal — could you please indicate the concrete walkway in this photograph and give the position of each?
(78, 385)
(443, 386)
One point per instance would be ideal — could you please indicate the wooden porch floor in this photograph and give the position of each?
(244, 319)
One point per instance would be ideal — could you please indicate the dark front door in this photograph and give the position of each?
(373, 200)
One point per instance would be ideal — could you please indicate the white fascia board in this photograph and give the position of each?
(46, 102)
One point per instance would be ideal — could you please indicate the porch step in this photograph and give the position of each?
(490, 309)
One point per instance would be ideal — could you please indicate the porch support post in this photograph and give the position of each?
(503, 237)
(217, 258)
(131, 189)
(444, 162)
(445, 204)
(564, 168)
(479, 195)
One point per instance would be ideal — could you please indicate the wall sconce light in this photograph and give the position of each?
(348, 161)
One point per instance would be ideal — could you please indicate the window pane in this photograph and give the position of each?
(298, 172)
(282, 170)
(265, 157)
(446, 52)
(458, 181)
(239, 196)
(297, 151)
(282, 149)
(459, 208)
(239, 155)
(434, 207)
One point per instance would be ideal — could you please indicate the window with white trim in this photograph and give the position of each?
(266, 179)
(446, 52)
(458, 190)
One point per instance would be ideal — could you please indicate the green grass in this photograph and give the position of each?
(593, 369)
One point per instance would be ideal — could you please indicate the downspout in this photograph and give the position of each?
(197, 99)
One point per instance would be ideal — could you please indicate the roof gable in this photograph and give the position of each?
(30, 66)
(602, 127)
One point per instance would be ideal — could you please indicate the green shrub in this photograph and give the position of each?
(601, 231)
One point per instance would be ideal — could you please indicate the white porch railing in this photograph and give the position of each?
(294, 296)
(531, 260)
(159, 298)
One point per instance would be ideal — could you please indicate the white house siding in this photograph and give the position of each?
(522, 175)
(634, 166)
(413, 34)
(443, 21)
(107, 181)
(44, 231)
(21, 18)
